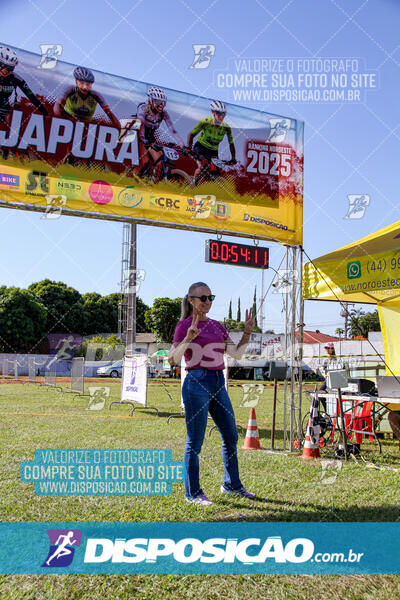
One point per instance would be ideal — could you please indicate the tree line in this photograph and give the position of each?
(27, 316)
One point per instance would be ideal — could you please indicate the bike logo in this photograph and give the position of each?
(61, 551)
(221, 210)
(278, 129)
(35, 180)
(353, 269)
(129, 197)
(9, 180)
(357, 206)
(50, 54)
(203, 54)
(168, 203)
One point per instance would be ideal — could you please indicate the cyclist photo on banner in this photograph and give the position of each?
(152, 113)
(9, 82)
(212, 131)
(80, 101)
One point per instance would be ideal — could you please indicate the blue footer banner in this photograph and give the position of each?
(164, 548)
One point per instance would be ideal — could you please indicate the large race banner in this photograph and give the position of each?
(80, 141)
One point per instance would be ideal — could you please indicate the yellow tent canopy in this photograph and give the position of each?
(366, 271)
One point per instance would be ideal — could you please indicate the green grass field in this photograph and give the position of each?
(288, 489)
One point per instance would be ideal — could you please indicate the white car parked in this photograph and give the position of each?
(113, 370)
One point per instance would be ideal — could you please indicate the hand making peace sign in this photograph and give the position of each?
(249, 321)
(193, 330)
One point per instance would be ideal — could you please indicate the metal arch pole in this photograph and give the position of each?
(131, 295)
(126, 228)
(292, 348)
(300, 336)
(262, 302)
(286, 354)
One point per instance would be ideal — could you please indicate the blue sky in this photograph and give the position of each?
(350, 148)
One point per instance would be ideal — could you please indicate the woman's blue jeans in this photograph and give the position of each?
(204, 392)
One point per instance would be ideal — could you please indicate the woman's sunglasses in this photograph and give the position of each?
(204, 298)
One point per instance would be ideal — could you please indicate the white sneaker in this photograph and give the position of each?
(240, 492)
(200, 499)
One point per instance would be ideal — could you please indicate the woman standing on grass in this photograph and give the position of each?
(203, 342)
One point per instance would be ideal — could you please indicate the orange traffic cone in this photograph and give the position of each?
(252, 440)
(311, 443)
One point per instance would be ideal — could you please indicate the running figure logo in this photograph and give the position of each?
(61, 551)
(357, 206)
(133, 372)
(55, 204)
(278, 129)
(252, 393)
(330, 471)
(66, 351)
(98, 397)
(132, 280)
(203, 54)
(50, 54)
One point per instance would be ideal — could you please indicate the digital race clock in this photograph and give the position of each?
(241, 255)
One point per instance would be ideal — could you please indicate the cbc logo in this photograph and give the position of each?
(167, 203)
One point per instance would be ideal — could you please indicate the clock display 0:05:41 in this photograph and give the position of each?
(242, 255)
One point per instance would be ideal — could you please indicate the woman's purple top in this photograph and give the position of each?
(207, 349)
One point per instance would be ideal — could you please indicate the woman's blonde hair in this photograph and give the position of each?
(187, 308)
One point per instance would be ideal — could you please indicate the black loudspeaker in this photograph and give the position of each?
(277, 369)
(364, 386)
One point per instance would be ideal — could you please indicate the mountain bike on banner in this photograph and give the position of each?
(173, 163)
(213, 169)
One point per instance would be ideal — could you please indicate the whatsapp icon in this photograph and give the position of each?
(353, 269)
